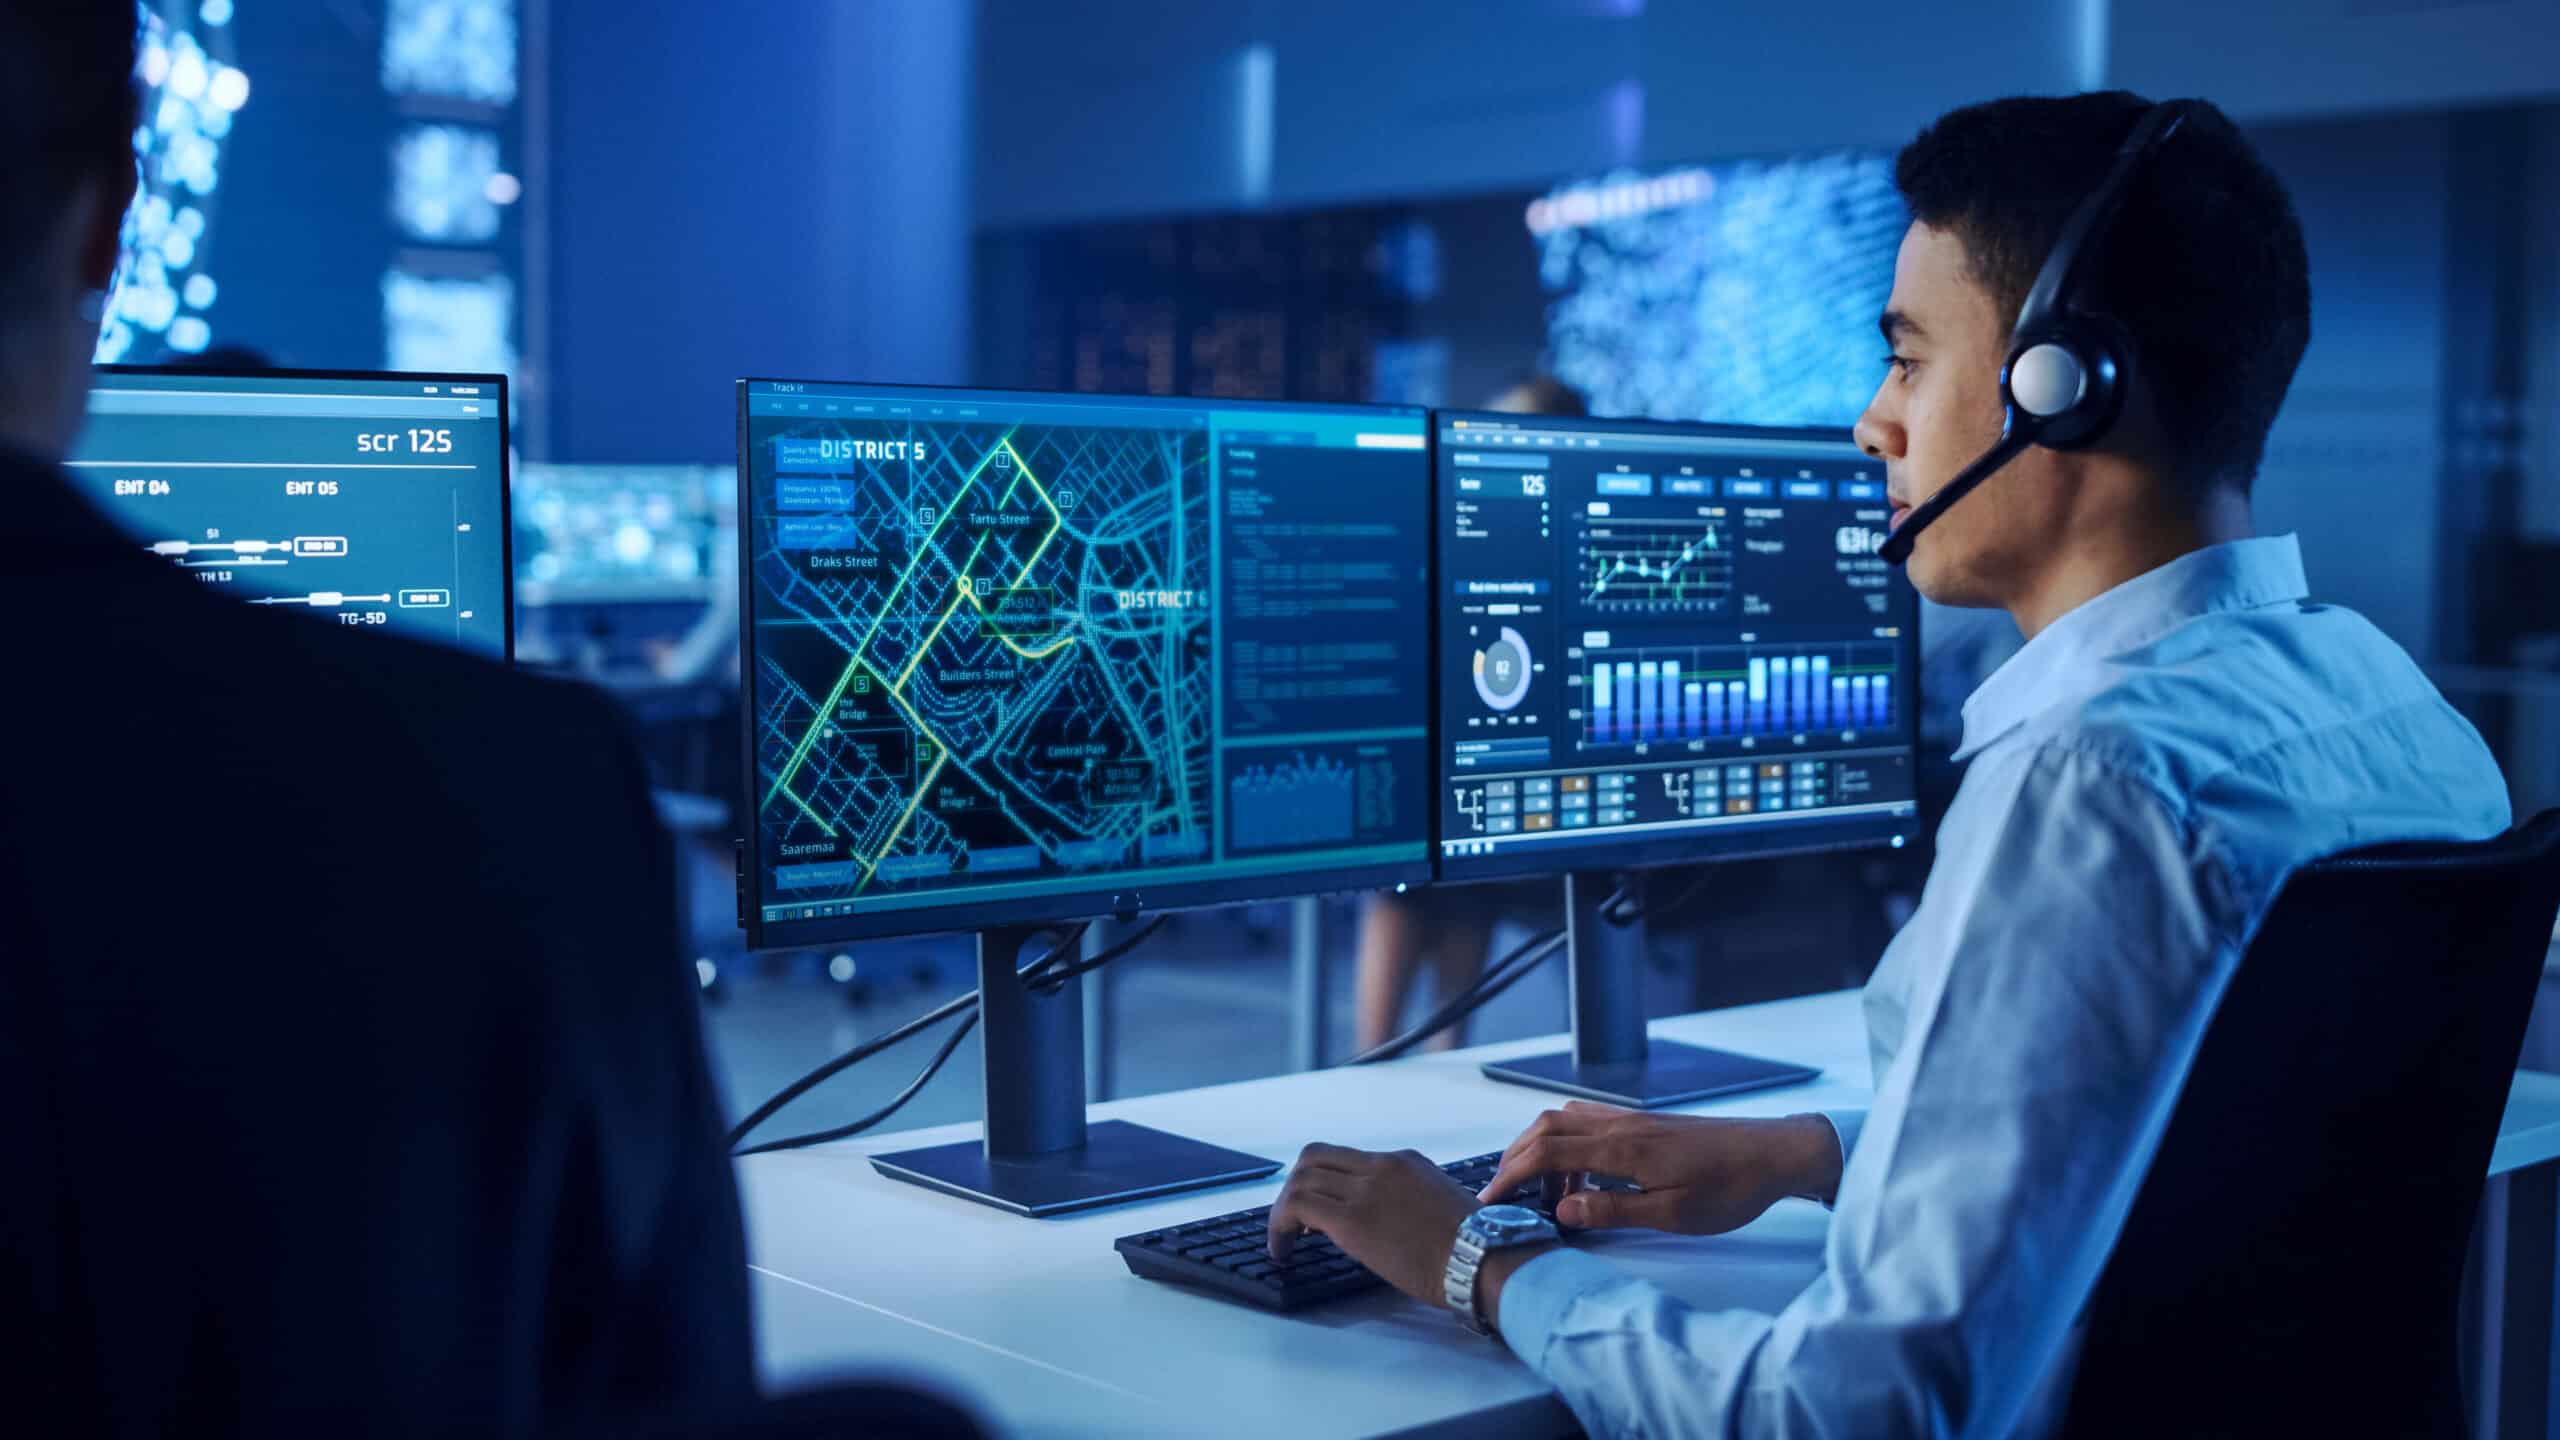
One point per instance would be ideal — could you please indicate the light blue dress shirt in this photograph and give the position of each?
(2145, 774)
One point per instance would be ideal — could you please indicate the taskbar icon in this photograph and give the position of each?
(774, 913)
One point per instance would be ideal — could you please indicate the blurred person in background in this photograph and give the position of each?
(1447, 928)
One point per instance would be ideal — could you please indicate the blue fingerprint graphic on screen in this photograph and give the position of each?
(1745, 291)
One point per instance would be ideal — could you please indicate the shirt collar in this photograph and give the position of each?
(2060, 662)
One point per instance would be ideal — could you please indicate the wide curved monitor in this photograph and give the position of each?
(1665, 643)
(1017, 657)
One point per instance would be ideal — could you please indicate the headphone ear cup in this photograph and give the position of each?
(2047, 378)
(2069, 381)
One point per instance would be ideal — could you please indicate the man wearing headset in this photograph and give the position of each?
(2095, 315)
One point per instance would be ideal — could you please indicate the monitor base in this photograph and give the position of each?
(1668, 1074)
(1118, 1162)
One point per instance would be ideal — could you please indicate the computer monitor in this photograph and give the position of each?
(624, 534)
(365, 499)
(627, 574)
(1020, 658)
(1017, 658)
(1662, 644)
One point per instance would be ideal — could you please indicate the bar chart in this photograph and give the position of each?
(1660, 694)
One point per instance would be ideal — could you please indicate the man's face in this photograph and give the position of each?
(1937, 411)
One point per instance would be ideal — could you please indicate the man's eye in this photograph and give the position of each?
(1901, 363)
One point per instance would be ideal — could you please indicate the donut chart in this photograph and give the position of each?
(1502, 670)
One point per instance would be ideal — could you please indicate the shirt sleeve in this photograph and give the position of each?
(1845, 1125)
(2069, 946)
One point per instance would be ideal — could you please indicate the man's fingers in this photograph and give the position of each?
(1552, 1122)
(1320, 1156)
(1546, 1155)
(1614, 1209)
(1302, 1206)
(1594, 1107)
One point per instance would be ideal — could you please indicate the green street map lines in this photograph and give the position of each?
(986, 650)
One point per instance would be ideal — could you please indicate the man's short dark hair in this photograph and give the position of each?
(2204, 264)
(1544, 394)
(67, 112)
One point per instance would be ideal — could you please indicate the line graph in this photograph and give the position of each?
(1656, 565)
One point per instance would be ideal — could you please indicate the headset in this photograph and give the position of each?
(2064, 382)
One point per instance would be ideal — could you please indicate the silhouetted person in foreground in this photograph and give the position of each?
(349, 1079)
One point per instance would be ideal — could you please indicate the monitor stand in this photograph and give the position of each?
(1612, 1060)
(1039, 1156)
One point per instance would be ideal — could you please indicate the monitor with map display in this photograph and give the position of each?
(1021, 657)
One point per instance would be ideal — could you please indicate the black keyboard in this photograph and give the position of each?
(1231, 1254)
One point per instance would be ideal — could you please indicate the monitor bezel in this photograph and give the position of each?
(506, 442)
(1814, 835)
(1123, 896)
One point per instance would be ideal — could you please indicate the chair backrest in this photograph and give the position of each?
(2293, 1262)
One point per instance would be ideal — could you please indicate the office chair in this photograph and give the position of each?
(2293, 1262)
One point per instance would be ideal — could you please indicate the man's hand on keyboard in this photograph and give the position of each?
(1397, 1214)
(1697, 1174)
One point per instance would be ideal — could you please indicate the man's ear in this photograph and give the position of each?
(100, 203)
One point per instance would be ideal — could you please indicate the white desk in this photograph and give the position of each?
(1040, 1324)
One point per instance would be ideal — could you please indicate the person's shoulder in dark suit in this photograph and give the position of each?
(365, 1078)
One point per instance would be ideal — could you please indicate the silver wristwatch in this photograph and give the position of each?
(1495, 1227)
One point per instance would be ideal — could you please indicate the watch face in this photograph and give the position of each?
(1508, 1217)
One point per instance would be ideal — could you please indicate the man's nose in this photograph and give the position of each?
(1879, 434)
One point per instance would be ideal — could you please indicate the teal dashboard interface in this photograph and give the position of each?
(376, 502)
(1025, 655)
(1664, 643)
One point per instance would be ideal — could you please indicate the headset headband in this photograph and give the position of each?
(2059, 281)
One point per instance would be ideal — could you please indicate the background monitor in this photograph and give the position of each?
(615, 534)
(1020, 657)
(1663, 643)
(627, 575)
(367, 499)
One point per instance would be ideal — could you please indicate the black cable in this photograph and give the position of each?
(914, 1087)
(1494, 981)
(855, 1056)
(1044, 983)
(1621, 908)
(1049, 984)
(1066, 943)
(866, 1050)
(1520, 972)
(1498, 977)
